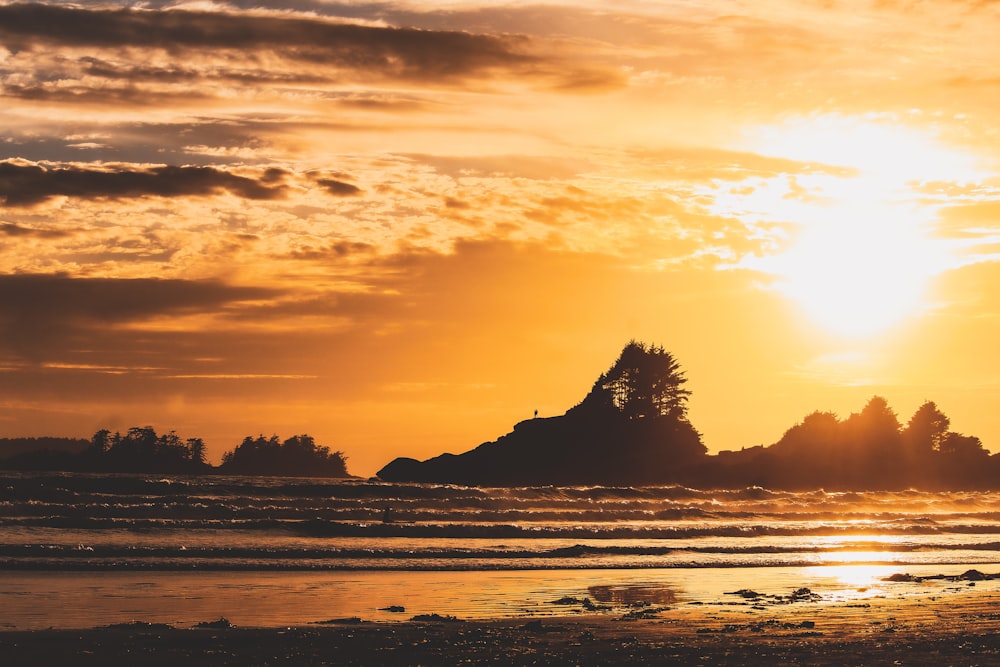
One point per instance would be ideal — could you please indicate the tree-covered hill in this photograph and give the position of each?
(632, 428)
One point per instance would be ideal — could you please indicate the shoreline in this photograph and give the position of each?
(66, 600)
(954, 626)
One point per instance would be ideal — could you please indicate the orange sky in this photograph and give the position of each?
(403, 227)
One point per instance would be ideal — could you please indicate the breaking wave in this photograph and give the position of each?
(79, 521)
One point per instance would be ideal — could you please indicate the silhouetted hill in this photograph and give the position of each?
(632, 429)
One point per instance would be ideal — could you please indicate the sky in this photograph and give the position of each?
(403, 227)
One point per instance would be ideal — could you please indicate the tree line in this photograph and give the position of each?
(142, 449)
(870, 449)
(633, 428)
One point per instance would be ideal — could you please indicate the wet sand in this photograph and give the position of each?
(960, 626)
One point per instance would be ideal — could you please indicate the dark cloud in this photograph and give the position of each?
(144, 85)
(339, 188)
(174, 74)
(336, 250)
(41, 316)
(143, 143)
(402, 52)
(379, 102)
(125, 94)
(27, 185)
(451, 202)
(11, 229)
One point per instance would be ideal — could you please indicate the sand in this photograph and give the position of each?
(958, 627)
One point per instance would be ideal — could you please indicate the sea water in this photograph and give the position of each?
(80, 550)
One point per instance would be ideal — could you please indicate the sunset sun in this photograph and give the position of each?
(861, 252)
(857, 275)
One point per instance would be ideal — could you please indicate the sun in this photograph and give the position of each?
(862, 252)
(859, 274)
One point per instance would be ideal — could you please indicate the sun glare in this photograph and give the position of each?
(860, 256)
(861, 580)
(860, 274)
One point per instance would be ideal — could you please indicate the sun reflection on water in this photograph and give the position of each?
(862, 580)
(857, 565)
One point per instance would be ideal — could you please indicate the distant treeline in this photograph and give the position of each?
(870, 449)
(141, 449)
(632, 428)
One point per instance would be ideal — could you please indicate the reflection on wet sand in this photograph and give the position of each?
(633, 594)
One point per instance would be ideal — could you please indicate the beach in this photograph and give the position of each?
(960, 626)
(142, 569)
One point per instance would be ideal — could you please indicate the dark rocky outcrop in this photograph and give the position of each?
(632, 428)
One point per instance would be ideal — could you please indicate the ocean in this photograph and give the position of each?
(81, 550)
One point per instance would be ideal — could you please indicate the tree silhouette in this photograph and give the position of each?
(142, 450)
(100, 443)
(876, 424)
(645, 382)
(926, 430)
(296, 456)
(963, 448)
(820, 434)
(196, 447)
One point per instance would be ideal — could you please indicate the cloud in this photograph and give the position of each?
(511, 165)
(339, 188)
(144, 138)
(43, 315)
(30, 184)
(335, 250)
(11, 229)
(177, 73)
(398, 52)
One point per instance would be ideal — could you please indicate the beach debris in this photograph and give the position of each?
(350, 620)
(804, 595)
(745, 593)
(140, 625)
(762, 626)
(759, 599)
(436, 618)
(568, 600)
(968, 575)
(221, 624)
(394, 608)
(644, 613)
(538, 626)
(590, 606)
(585, 602)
